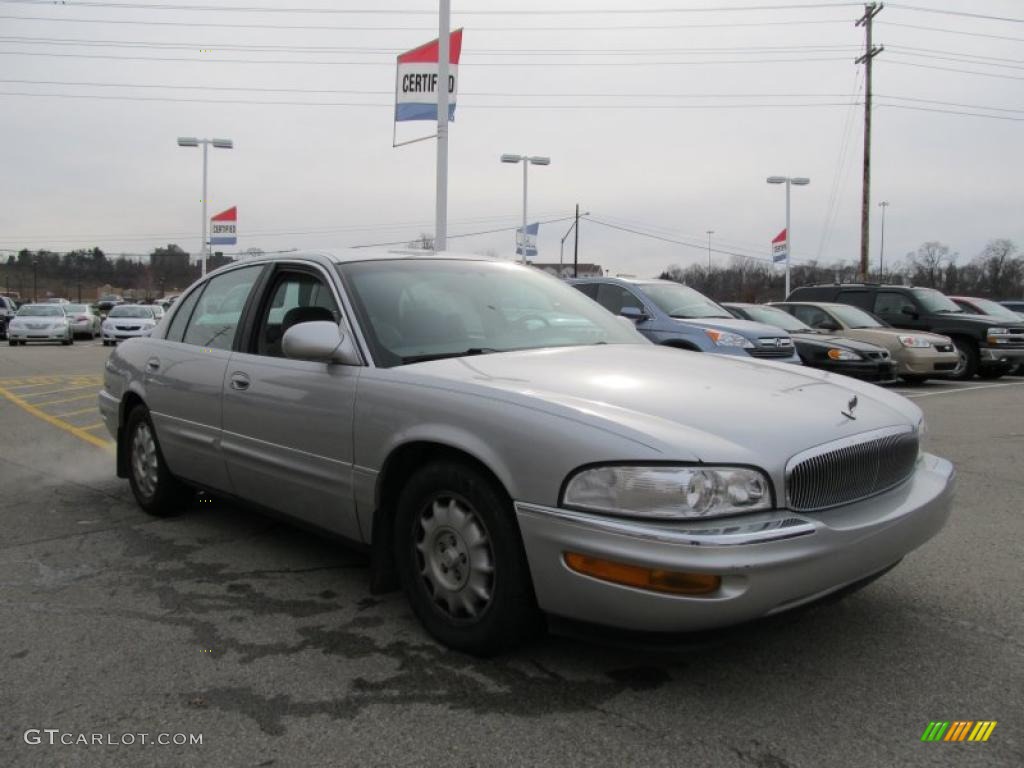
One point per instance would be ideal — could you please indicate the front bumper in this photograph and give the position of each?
(768, 563)
(926, 362)
(877, 371)
(38, 334)
(118, 334)
(1001, 355)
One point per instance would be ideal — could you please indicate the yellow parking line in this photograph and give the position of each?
(76, 413)
(34, 383)
(78, 432)
(58, 391)
(93, 426)
(67, 399)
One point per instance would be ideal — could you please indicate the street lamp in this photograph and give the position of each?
(881, 250)
(710, 233)
(527, 161)
(799, 181)
(191, 141)
(561, 246)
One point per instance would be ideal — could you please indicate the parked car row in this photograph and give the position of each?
(63, 322)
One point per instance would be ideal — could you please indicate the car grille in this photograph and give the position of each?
(877, 355)
(944, 347)
(848, 470)
(128, 327)
(778, 346)
(38, 326)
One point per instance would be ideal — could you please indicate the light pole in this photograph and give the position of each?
(710, 233)
(191, 141)
(561, 247)
(527, 161)
(799, 181)
(881, 249)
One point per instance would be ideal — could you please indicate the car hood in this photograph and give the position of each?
(685, 405)
(889, 336)
(748, 328)
(828, 340)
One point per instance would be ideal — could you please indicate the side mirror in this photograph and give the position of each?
(633, 313)
(321, 341)
(826, 325)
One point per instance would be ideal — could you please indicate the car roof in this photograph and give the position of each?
(626, 280)
(826, 304)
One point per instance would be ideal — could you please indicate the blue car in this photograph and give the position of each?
(669, 313)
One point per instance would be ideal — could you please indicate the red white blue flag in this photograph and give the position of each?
(416, 80)
(780, 247)
(224, 227)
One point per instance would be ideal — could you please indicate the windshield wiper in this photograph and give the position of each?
(444, 355)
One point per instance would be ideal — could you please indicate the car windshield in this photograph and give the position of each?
(934, 301)
(77, 308)
(995, 309)
(677, 300)
(427, 309)
(853, 317)
(778, 318)
(130, 311)
(41, 310)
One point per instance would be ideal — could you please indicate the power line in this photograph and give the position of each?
(959, 60)
(948, 12)
(953, 112)
(953, 69)
(468, 234)
(377, 51)
(841, 171)
(422, 12)
(560, 95)
(475, 29)
(697, 246)
(391, 64)
(390, 105)
(949, 31)
(982, 57)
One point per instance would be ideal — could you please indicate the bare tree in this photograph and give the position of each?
(1000, 272)
(928, 262)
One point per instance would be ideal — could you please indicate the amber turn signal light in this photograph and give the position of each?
(653, 579)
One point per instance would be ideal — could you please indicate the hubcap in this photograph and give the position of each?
(961, 362)
(144, 460)
(455, 558)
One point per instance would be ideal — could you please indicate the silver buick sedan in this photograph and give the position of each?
(508, 450)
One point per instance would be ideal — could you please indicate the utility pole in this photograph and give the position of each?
(881, 250)
(870, 51)
(441, 201)
(576, 246)
(710, 233)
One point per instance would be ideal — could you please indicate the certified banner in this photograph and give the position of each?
(224, 227)
(780, 247)
(416, 80)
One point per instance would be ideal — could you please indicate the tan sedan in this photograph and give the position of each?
(918, 355)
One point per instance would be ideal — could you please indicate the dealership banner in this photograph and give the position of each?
(780, 247)
(416, 80)
(529, 242)
(224, 227)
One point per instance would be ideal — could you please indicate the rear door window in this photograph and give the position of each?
(892, 303)
(860, 299)
(614, 298)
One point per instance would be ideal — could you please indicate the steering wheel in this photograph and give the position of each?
(525, 321)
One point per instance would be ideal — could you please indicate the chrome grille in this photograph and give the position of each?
(848, 470)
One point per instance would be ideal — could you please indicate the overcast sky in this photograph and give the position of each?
(668, 123)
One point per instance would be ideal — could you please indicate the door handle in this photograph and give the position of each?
(239, 381)
(153, 364)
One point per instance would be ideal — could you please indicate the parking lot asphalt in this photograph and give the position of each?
(265, 640)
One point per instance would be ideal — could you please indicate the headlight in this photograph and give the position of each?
(916, 342)
(726, 339)
(997, 335)
(669, 493)
(842, 354)
(998, 331)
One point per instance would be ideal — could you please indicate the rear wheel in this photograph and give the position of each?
(461, 560)
(12, 343)
(156, 490)
(995, 372)
(967, 365)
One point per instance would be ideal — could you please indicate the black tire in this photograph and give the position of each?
(508, 614)
(993, 373)
(914, 380)
(23, 343)
(12, 343)
(968, 365)
(167, 496)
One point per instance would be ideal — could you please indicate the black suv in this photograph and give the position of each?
(988, 346)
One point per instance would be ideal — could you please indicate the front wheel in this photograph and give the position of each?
(461, 560)
(996, 372)
(156, 490)
(967, 365)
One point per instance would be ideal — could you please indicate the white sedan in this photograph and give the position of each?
(40, 322)
(127, 321)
